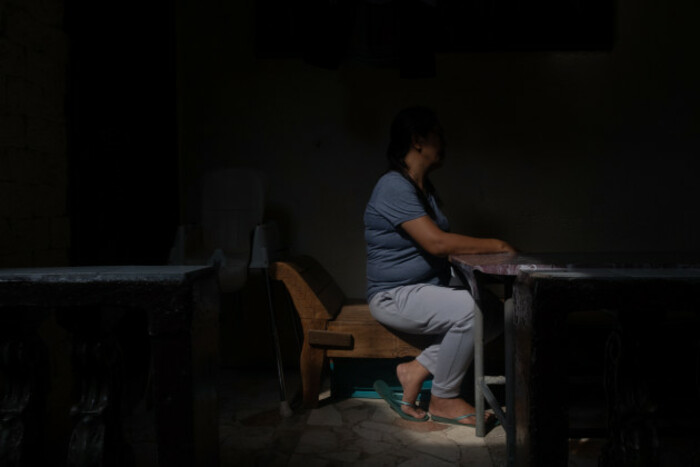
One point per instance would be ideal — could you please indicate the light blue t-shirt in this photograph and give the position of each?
(393, 257)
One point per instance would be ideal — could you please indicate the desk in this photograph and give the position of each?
(178, 307)
(640, 299)
(548, 287)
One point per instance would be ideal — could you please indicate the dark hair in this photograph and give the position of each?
(409, 124)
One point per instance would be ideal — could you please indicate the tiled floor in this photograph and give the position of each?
(350, 432)
(343, 432)
(347, 432)
(362, 432)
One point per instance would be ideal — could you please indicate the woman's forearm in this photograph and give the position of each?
(439, 243)
(456, 244)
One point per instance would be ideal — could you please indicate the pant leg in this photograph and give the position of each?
(490, 305)
(447, 313)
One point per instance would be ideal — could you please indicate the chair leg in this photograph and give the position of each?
(285, 409)
(311, 366)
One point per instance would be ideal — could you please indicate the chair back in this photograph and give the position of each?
(314, 292)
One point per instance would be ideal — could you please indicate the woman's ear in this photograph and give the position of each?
(417, 143)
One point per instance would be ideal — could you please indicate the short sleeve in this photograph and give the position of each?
(397, 201)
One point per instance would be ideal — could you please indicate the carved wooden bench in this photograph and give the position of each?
(333, 325)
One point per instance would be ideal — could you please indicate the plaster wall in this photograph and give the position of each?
(549, 150)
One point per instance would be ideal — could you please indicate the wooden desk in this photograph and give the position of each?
(507, 266)
(639, 299)
(654, 275)
(178, 307)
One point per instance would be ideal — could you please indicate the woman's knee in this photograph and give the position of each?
(463, 321)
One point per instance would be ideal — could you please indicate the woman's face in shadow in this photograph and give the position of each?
(433, 148)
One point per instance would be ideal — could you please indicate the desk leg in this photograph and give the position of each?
(541, 406)
(509, 335)
(479, 404)
(184, 350)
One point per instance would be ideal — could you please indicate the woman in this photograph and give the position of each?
(408, 274)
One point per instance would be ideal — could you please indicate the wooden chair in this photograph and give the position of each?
(333, 325)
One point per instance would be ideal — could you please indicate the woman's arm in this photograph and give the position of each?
(440, 243)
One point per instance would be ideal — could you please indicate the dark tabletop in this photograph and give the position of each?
(510, 264)
(103, 274)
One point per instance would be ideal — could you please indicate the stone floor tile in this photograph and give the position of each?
(433, 444)
(376, 402)
(475, 456)
(348, 456)
(355, 415)
(325, 416)
(350, 403)
(383, 413)
(376, 426)
(241, 438)
(424, 461)
(349, 432)
(373, 447)
(300, 460)
(286, 441)
(464, 436)
(368, 433)
(496, 444)
(379, 460)
(420, 427)
(317, 441)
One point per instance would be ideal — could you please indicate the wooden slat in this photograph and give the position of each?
(354, 310)
(329, 339)
(371, 340)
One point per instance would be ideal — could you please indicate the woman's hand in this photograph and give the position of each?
(507, 248)
(440, 243)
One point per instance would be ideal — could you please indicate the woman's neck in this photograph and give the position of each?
(416, 169)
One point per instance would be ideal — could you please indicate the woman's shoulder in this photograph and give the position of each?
(393, 180)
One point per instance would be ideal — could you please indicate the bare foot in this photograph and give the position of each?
(453, 408)
(411, 376)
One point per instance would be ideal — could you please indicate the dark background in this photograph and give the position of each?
(571, 126)
(122, 132)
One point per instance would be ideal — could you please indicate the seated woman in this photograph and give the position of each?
(408, 274)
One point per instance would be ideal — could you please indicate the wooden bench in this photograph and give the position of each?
(333, 325)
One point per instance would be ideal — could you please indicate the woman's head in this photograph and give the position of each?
(411, 126)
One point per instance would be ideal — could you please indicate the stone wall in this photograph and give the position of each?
(34, 227)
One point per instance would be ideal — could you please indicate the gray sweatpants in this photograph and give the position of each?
(445, 312)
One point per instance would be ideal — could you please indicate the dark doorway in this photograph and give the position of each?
(122, 131)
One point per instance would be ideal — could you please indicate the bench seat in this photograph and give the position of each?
(333, 325)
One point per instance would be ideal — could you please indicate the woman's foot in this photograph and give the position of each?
(411, 376)
(453, 408)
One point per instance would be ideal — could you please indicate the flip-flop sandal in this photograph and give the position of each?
(388, 395)
(456, 420)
